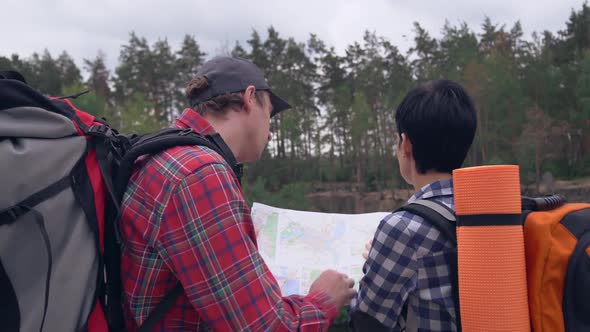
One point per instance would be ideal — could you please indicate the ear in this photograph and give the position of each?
(406, 146)
(248, 97)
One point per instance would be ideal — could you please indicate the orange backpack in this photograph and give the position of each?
(557, 253)
(557, 250)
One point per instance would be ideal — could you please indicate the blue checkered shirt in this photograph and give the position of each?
(406, 285)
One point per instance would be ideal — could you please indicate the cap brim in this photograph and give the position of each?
(278, 104)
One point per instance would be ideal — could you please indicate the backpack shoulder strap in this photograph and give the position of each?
(158, 313)
(129, 149)
(444, 220)
(437, 213)
(165, 139)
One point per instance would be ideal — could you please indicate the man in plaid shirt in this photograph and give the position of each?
(407, 285)
(184, 219)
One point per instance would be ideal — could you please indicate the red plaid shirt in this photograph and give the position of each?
(185, 219)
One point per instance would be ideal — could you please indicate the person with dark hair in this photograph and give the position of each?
(406, 284)
(185, 221)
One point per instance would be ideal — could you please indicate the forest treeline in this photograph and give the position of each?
(532, 94)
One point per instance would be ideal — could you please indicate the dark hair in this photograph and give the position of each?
(217, 104)
(439, 118)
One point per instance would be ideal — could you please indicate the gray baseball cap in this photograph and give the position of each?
(227, 74)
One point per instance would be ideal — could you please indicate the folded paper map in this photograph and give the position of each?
(298, 245)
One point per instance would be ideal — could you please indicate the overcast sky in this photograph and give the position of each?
(83, 27)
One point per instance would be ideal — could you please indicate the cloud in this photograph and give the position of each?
(83, 27)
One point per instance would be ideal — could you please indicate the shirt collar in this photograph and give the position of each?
(434, 189)
(195, 121)
(192, 119)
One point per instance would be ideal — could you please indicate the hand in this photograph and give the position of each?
(337, 285)
(367, 249)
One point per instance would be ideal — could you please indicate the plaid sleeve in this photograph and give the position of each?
(206, 238)
(390, 272)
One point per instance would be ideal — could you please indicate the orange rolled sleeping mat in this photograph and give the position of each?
(490, 249)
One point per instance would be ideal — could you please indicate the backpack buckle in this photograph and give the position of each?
(186, 132)
(101, 131)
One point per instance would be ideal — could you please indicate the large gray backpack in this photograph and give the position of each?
(63, 174)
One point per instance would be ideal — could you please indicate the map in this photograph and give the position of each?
(298, 245)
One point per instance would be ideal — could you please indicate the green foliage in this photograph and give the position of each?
(44, 72)
(137, 116)
(290, 196)
(89, 102)
(532, 96)
(496, 160)
(583, 88)
(340, 324)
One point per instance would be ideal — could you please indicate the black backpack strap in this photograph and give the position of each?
(129, 149)
(160, 141)
(227, 155)
(13, 213)
(158, 313)
(443, 218)
(109, 147)
(436, 213)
